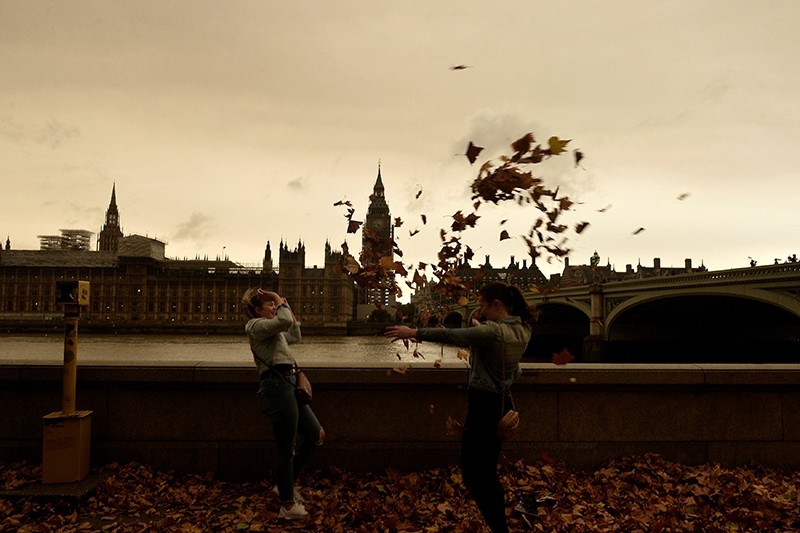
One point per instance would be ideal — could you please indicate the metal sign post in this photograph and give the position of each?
(67, 433)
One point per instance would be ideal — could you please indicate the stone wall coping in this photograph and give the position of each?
(417, 373)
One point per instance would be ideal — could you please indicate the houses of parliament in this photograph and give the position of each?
(135, 287)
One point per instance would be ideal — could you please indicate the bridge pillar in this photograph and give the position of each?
(593, 344)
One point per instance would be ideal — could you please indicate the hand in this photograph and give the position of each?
(400, 332)
(267, 296)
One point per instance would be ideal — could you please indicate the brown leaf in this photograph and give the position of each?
(522, 145)
(578, 157)
(563, 357)
(473, 152)
(579, 227)
(353, 225)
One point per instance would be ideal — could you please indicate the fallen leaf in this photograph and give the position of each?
(563, 357)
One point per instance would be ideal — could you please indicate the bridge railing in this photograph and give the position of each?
(784, 271)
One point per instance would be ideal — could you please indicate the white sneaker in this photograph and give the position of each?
(296, 512)
(295, 494)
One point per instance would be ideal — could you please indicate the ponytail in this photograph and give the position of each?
(512, 298)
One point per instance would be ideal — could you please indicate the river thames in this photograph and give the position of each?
(221, 349)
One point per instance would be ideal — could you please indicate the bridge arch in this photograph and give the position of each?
(560, 324)
(779, 299)
(743, 322)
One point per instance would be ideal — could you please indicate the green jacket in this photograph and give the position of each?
(495, 347)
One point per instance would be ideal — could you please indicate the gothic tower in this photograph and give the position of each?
(376, 242)
(267, 264)
(376, 239)
(109, 237)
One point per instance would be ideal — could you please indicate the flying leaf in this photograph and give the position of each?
(579, 227)
(578, 157)
(638, 231)
(353, 225)
(683, 196)
(351, 265)
(459, 67)
(504, 235)
(522, 145)
(557, 146)
(419, 193)
(473, 152)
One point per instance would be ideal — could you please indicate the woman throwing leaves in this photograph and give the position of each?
(270, 330)
(498, 335)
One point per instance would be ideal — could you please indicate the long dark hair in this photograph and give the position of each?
(511, 297)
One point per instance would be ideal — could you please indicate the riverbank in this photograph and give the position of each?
(639, 493)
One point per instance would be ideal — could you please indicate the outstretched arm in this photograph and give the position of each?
(396, 333)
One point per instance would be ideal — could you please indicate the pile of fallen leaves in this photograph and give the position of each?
(643, 493)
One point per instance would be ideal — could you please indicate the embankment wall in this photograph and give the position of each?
(203, 418)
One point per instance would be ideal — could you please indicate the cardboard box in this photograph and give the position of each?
(65, 452)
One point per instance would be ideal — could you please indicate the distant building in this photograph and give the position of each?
(323, 297)
(576, 275)
(522, 275)
(133, 285)
(70, 239)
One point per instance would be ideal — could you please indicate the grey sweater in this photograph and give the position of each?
(270, 338)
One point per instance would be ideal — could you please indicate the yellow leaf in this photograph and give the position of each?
(557, 145)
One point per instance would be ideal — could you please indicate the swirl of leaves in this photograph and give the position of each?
(506, 180)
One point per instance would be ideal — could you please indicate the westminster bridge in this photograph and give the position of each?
(737, 315)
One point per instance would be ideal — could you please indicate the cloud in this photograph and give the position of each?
(197, 229)
(298, 184)
(53, 134)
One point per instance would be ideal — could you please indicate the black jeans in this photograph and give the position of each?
(480, 454)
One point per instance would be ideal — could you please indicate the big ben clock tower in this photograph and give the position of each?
(376, 242)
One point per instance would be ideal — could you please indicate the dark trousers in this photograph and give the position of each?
(276, 398)
(480, 454)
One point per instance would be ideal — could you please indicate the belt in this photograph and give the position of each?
(280, 371)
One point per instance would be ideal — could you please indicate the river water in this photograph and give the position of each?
(232, 350)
